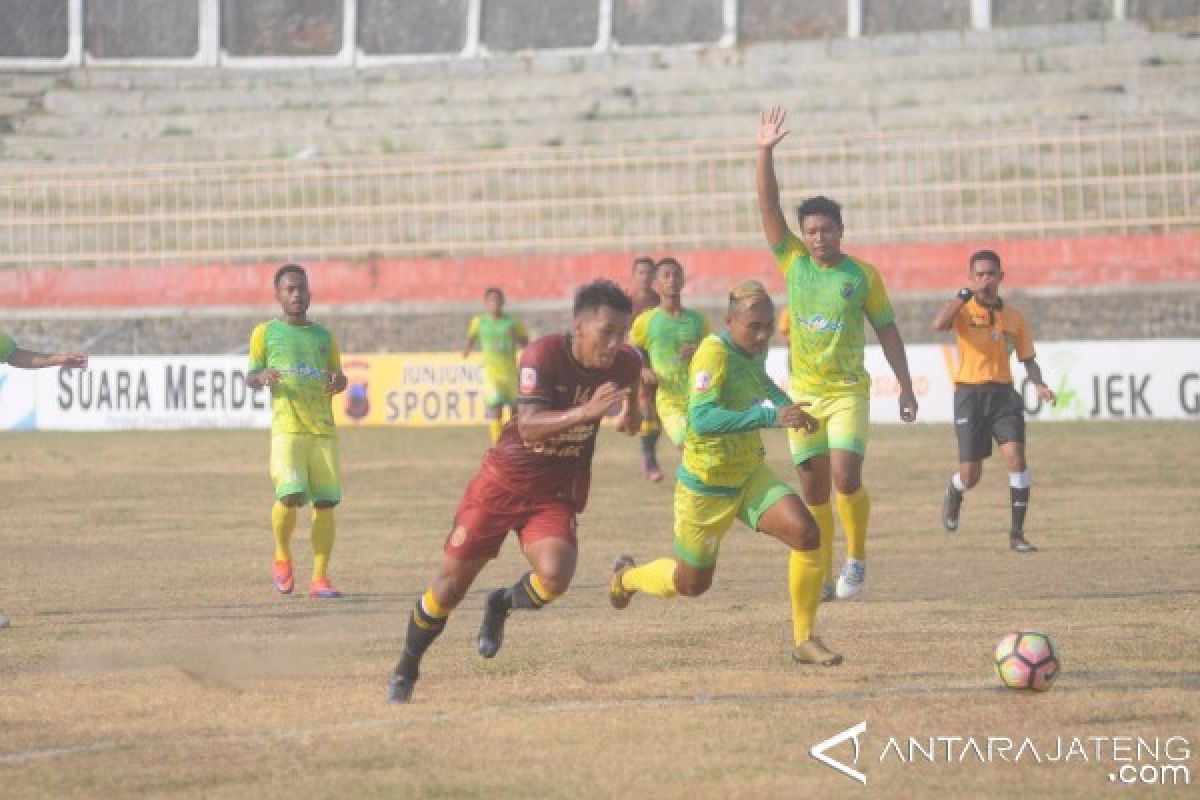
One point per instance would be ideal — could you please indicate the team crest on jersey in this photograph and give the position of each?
(528, 379)
(703, 382)
(847, 290)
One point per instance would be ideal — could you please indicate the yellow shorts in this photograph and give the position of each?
(499, 390)
(844, 423)
(305, 464)
(674, 418)
(702, 520)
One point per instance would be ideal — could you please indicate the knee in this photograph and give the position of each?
(292, 500)
(326, 505)
(847, 483)
(808, 535)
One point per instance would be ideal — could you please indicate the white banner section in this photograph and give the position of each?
(151, 392)
(1151, 379)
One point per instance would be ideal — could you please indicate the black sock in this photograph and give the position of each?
(649, 445)
(422, 630)
(1020, 503)
(523, 596)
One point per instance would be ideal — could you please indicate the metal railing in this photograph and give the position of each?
(925, 186)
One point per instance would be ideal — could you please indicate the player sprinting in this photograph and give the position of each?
(830, 294)
(986, 405)
(535, 479)
(498, 335)
(299, 360)
(723, 475)
(668, 335)
(644, 298)
(21, 358)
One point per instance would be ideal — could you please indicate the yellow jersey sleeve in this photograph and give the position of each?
(790, 248)
(639, 334)
(707, 372)
(258, 348)
(878, 306)
(473, 328)
(335, 355)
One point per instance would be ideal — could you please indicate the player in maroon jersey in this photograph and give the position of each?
(535, 479)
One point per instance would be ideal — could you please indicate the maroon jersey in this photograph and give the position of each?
(643, 302)
(560, 466)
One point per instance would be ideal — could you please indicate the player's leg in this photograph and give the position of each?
(428, 620)
(973, 430)
(1009, 428)
(325, 488)
(849, 424)
(493, 400)
(651, 428)
(810, 454)
(291, 492)
(701, 522)
(770, 506)
(673, 418)
(547, 536)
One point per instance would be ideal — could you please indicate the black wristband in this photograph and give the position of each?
(965, 294)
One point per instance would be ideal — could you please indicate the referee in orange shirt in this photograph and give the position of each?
(986, 406)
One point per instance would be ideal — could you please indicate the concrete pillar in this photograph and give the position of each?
(981, 15)
(854, 19)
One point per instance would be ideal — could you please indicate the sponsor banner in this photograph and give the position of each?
(414, 389)
(151, 392)
(18, 403)
(1147, 379)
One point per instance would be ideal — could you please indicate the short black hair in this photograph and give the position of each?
(285, 269)
(984, 255)
(662, 262)
(819, 205)
(637, 262)
(493, 290)
(602, 293)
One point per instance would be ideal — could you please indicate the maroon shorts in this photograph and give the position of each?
(488, 511)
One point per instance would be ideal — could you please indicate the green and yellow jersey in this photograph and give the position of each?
(7, 347)
(306, 356)
(663, 337)
(498, 338)
(723, 447)
(826, 309)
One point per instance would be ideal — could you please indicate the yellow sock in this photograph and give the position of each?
(432, 607)
(649, 427)
(494, 428)
(855, 511)
(323, 532)
(804, 589)
(656, 578)
(823, 514)
(540, 588)
(283, 525)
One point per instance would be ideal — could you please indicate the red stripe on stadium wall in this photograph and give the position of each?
(1063, 262)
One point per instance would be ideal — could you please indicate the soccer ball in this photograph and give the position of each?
(1027, 660)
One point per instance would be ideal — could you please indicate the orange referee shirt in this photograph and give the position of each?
(986, 340)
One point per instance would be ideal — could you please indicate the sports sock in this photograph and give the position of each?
(426, 622)
(283, 525)
(855, 511)
(649, 446)
(1018, 495)
(655, 577)
(529, 593)
(323, 532)
(494, 428)
(957, 482)
(804, 589)
(823, 514)
(650, 427)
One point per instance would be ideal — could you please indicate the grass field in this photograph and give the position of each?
(148, 657)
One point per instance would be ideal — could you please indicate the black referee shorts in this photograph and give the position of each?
(985, 411)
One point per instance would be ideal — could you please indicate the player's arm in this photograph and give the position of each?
(897, 358)
(535, 422)
(629, 419)
(520, 334)
(1035, 377)
(472, 336)
(944, 321)
(30, 359)
(639, 337)
(771, 132)
(337, 379)
(258, 374)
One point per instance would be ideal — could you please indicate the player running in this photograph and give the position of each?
(16, 356)
(299, 360)
(668, 336)
(645, 298)
(986, 405)
(535, 479)
(830, 296)
(498, 335)
(723, 475)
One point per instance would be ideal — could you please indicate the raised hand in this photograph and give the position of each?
(770, 127)
(607, 397)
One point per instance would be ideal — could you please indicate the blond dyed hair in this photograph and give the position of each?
(748, 294)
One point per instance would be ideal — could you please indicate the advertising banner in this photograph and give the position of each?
(414, 389)
(18, 403)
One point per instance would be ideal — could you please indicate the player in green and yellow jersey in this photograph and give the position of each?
(723, 475)
(16, 356)
(299, 360)
(667, 337)
(498, 335)
(830, 295)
